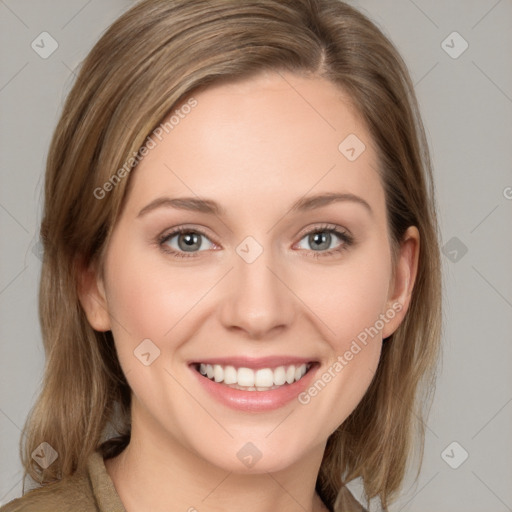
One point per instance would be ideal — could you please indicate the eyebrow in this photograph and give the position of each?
(211, 207)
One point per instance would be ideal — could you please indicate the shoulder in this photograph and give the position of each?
(92, 491)
(71, 494)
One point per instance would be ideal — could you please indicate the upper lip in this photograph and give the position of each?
(254, 362)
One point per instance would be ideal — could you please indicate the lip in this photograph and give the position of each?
(255, 401)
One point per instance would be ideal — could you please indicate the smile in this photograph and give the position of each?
(248, 379)
(254, 384)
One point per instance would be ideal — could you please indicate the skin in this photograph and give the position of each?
(255, 147)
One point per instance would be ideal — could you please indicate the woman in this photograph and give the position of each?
(240, 292)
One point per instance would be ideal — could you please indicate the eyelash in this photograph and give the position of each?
(345, 237)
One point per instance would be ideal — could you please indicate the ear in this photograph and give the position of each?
(403, 281)
(91, 293)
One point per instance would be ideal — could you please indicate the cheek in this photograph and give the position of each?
(142, 303)
(149, 291)
(350, 304)
(349, 299)
(151, 299)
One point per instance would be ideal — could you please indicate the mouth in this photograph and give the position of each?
(259, 379)
(254, 385)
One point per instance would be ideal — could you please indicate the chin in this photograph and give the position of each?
(256, 456)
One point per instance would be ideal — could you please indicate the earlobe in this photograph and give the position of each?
(404, 279)
(91, 293)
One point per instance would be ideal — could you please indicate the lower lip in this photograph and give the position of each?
(256, 401)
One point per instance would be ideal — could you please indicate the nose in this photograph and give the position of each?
(258, 300)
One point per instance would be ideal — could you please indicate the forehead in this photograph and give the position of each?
(276, 136)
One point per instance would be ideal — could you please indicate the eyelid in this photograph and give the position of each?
(326, 226)
(177, 230)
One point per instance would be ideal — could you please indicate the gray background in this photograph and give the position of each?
(466, 101)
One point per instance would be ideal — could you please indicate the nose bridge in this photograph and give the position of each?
(257, 300)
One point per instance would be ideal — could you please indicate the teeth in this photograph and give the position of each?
(290, 374)
(230, 375)
(245, 377)
(280, 376)
(254, 380)
(264, 378)
(218, 373)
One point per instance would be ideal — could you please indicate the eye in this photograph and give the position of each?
(187, 242)
(322, 238)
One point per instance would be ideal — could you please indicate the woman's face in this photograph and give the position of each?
(283, 266)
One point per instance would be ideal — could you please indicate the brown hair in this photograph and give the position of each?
(146, 63)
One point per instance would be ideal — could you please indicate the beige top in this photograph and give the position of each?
(95, 492)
